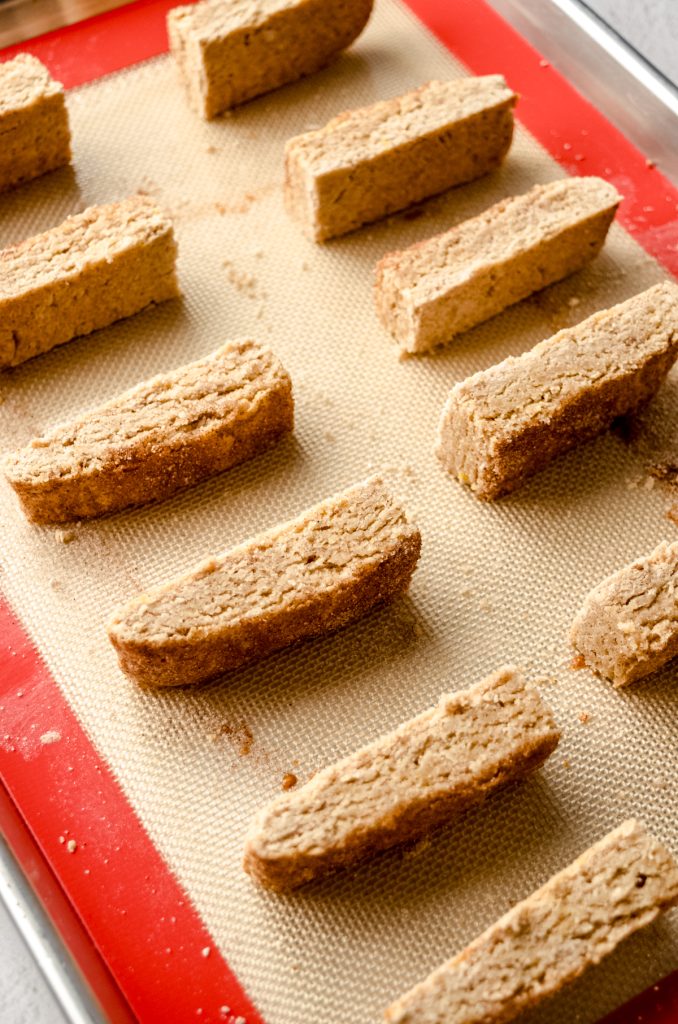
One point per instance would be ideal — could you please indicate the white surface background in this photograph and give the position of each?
(652, 27)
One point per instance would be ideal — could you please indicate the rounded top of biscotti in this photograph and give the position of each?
(99, 233)
(23, 80)
(634, 595)
(361, 134)
(525, 389)
(279, 569)
(169, 411)
(467, 732)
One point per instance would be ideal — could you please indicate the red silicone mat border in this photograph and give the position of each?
(98, 46)
(149, 934)
(151, 938)
(570, 128)
(53, 899)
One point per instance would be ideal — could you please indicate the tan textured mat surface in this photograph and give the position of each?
(495, 582)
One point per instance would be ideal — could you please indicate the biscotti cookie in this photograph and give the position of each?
(304, 578)
(97, 267)
(427, 294)
(505, 423)
(404, 784)
(367, 163)
(543, 943)
(230, 52)
(628, 625)
(167, 433)
(34, 132)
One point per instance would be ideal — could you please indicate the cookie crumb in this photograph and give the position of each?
(243, 282)
(578, 662)
(51, 736)
(205, 951)
(544, 63)
(64, 536)
(71, 846)
(584, 717)
(289, 780)
(241, 735)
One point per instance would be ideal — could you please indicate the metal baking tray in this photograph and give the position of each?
(623, 86)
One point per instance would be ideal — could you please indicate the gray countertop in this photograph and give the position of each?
(651, 26)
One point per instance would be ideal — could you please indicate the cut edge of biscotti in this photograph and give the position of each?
(198, 32)
(303, 578)
(23, 79)
(169, 432)
(33, 106)
(627, 626)
(443, 286)
(365, 136)
(619, 885)
(478, 446)
(404, 784)
(104, 250)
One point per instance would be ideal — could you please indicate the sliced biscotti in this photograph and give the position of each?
(97, 267)
(628, 624)
(367, 163)
(34, 132)
(309, 576)
(543, 943)
(169, 432)
(427, 294)
(505, 423)
(404, 784)
(229, 52)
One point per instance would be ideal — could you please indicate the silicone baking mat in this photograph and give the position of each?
(139, 801)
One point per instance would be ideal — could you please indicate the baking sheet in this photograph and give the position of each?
(495, 583)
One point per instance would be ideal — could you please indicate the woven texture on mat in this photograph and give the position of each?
(496, 583)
